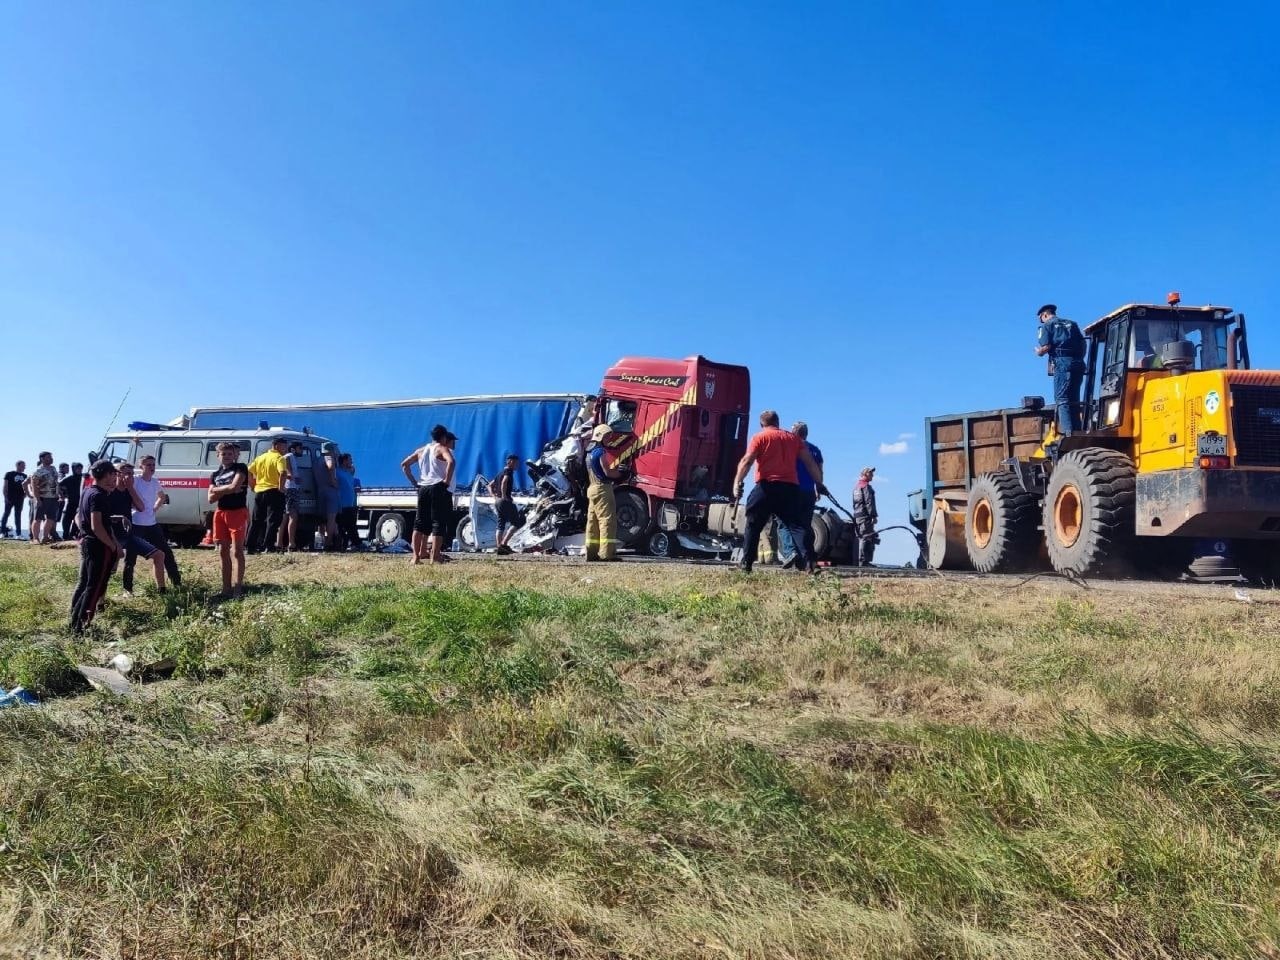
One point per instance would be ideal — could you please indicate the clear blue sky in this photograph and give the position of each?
(238, 203)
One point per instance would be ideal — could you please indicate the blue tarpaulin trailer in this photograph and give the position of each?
(380, 435)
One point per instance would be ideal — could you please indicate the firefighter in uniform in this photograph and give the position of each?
(1062, 340)
(602, 512)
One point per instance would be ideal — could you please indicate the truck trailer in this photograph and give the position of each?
(684, 425)
(379, 435)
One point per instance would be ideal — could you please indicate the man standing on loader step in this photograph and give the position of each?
(1062, 340)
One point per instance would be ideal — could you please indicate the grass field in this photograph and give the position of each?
(533, 759)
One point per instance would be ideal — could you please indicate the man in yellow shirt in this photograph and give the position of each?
(267, 473)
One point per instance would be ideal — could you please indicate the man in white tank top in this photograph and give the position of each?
(433, 521)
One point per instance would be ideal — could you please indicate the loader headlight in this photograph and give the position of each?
(1113, 413)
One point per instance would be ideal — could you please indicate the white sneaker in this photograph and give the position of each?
(126, 594)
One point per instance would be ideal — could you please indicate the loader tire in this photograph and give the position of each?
(1000, 525)
(1089, 513)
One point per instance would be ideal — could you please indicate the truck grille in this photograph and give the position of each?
(1255, 423)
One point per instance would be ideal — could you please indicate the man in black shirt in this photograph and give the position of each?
(228, 492)
(15, 491)
(508, 513)
(123, 501)
(70, 487)
(98, 546)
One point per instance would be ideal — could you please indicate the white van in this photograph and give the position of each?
(185, 459)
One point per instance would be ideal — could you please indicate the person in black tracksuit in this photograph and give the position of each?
(99, 548)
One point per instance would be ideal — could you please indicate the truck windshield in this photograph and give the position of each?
(621, 415)
(1150, 334)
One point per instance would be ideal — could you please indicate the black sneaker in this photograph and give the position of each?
(744, 568)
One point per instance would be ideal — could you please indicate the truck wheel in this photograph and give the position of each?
(1089, 512)
(1000, 525)
(821, 537)
(390, 527)
(633, 518)
(663, 544)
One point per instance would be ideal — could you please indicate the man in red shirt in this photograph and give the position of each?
(775, 452)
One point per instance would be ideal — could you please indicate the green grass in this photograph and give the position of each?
(516, 762)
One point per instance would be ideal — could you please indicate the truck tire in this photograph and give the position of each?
(822, 536)
(663, 543)
(1000, 523)
(633, 518)
(1089, 512)
(389, 527)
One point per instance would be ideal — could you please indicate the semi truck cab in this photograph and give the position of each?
(688, 421)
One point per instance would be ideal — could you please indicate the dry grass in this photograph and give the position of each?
(529, 759)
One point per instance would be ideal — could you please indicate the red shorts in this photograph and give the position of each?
(230, 525)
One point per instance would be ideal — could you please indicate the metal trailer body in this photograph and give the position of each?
(379, 435)
(959, 447)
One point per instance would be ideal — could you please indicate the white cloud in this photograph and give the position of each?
(893, 449)
(906, 436)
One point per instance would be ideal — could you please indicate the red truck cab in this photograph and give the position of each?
(687, 422)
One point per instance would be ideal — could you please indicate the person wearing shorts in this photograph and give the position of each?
(292, 499)
(326, 477)
(45, 509)
(433, 522)
(500, 488)
(228, 492)
(122, 504)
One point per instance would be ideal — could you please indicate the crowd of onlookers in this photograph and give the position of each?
(112, 511)
(54, 495)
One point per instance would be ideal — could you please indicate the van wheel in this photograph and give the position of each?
(1000, 525)
(389, 528)
(1089, 512)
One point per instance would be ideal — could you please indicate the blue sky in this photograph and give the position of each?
(241, 203)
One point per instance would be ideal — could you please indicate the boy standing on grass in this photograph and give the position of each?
(228, 491)
(98, 546)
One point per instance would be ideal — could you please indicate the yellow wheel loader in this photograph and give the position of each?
(1176, 468)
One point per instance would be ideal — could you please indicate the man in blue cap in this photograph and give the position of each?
(1062, 341)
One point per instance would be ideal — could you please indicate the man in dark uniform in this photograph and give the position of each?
(1062, 341)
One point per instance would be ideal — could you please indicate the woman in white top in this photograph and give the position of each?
(433, 522)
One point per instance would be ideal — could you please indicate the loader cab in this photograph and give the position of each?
(1156, 340)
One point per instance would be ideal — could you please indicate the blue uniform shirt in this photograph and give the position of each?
(805, 481)
(596, 466)
(1063, 338)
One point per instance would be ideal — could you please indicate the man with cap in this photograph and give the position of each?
(865, 516)
(602, 512)
(1062, 341)
(268, 472)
